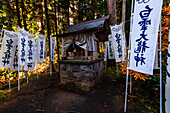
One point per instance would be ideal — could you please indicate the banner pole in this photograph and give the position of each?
(46, 56)
(132, 7)
(9, 80)
(18, 69)
(129, 57)
(37, 69)
(50, 67)
(160, 68)
(126, 90)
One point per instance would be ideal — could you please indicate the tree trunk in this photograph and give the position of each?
(165, 2)
(56, 29)
(68, 13)
(23, 15)
(18, 13)
(8, 15)
(42, 24)
(111, 9)
(79, 20)
(123, 13)
(48, 29)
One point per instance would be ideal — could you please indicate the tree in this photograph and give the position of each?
(111, 9)
(123, 13)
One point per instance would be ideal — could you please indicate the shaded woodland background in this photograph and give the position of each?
(51, 17)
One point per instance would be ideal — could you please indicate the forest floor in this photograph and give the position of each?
(46, 95)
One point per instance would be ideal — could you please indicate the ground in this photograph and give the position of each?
(46, 95)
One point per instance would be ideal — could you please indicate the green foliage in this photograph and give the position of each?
(2, 95)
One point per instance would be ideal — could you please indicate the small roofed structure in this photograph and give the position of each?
(81, 63)
(85, 36)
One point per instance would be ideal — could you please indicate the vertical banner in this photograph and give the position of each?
(156, 59)
(52, 45)
(105, 52)
(30, 55)
(8, 49)
(35, 51)
(117, 41)
(23, 47)
(15, 60)
(146, 21)
(41, 47)
(30, 66)
(167, 86)
(110, 48)
(124, 50)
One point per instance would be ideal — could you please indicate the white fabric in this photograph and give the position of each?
(156, 59)
(105, 52)
(167, 86)
(41, 47)
(29, 67)
(124, 50)
(15, 60)
(30, 53)
(117, 41)
(145, 25)
(23, 47)
(87, 42)
(35, 51)
(52, 45)
(8, 49)
(111, 54)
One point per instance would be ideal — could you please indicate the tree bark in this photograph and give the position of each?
(48, 28)
(165, 2)
(23, 15)
(8, 15)
(56, 29)
(123, 13)
(68, 13)
(18, 13)
(79, 20)
(47, 22)
(111, 9)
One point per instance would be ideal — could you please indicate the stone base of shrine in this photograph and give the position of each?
(82, 74)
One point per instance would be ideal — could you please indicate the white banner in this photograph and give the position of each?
(105, 52)
(52, 48)
(146, 19)
(23, 47)
(111, 54)
(8, 49)
(117, 41)
(29, 67)
(41, 47)
(167, 86)
(35, 51)
(124, 50)
(156, 59)
(15, 60)
(30, 54)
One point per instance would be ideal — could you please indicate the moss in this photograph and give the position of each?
(2, 95)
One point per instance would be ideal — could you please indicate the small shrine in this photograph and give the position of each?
(80, 62)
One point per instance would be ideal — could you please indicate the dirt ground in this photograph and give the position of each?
(46, 95)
